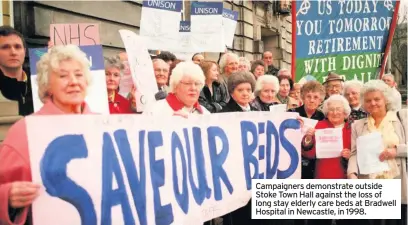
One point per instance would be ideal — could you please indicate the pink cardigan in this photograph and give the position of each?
(15, 161)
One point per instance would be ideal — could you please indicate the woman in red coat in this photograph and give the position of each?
(336, 109)
(113, 71)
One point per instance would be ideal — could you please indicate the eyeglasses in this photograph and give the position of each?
(338, 109)
(190, 84)
(331, 87)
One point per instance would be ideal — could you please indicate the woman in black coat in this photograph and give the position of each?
(241, 85)
(213, 96)
(266, 88)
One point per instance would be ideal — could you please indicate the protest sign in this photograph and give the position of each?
(141, 67)
(348, 37)
(76, 33)
(160, 22)
(207, 32)
(184, 50)
(97, 94)
(229, 24)
(137, 169)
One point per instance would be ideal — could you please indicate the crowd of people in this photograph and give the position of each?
(202, 86)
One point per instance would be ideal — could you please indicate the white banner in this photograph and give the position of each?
(141, 67)
(159, 22)
(136, 169)
(207, 32)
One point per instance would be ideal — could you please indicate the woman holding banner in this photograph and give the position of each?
(329, 166)
(379, 102)
(186, 82)
(63, 78)
(114, 71)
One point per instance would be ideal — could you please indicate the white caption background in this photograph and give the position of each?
(270, 199)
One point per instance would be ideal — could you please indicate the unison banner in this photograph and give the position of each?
(348, 37)
(207, 31)
(136, 169)
(159, 22)
(97, 94)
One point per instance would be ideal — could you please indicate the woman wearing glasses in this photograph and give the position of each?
(185, 85)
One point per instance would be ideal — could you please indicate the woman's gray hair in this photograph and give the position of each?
(379, 85)
(238, 78)
(262, 80)
(244, 61)
(336, 97)
(182, 69)
(114, 62)
(352, 84)
(51, 61)
(223, 60)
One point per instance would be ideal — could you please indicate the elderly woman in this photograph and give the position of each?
(228, 65)
(244, 64)
(295, 93)
(213, 95)
(63, 78)
(266, 88)
(336, 110)
(377, 100)
(352, 89)
(113, 71)
(241, 84)
(285, 85)
(186, 83)
(258, 68)
(312, 94)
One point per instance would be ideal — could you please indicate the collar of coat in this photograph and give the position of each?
(177, 105)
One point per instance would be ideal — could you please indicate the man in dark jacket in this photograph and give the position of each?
(268, 60)
(14, 81)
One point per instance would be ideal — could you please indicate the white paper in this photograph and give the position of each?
(307, 124)
(141, 67)
(329, 143)
(280, 108)
(369, 148)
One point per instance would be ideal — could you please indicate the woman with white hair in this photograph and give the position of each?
(114, 71)
(185, 85)
(351, 91)
(266, 88)
(63, 78)
(336, 109)
(244, 64)
(377, 100)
